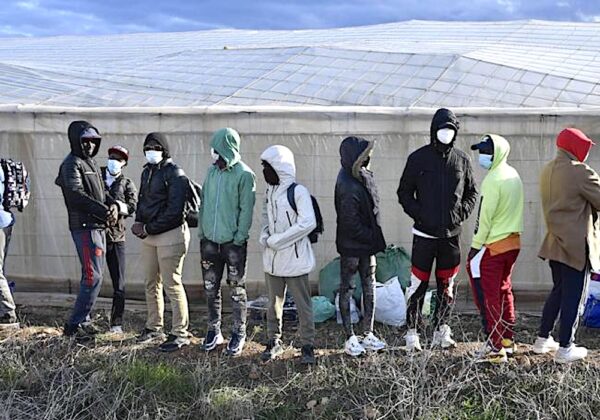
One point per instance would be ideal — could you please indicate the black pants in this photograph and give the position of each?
(446, 254)
(215, 257)
(566, 297)
(365, 266)
(115, 259)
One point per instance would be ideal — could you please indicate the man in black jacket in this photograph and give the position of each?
(83, 191)
(438, 192)
(121, 191)
(358, 238)
(160, 222)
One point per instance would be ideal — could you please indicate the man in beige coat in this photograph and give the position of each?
(570, 192)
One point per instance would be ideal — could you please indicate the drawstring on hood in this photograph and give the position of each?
(575, 142)
(354, 152)
(282, 161)
(76, 129)
(226, 142)
(443, 118)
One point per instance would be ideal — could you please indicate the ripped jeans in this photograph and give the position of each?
(215, 258)
(365, 266)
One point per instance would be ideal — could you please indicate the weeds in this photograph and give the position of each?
(43, 376)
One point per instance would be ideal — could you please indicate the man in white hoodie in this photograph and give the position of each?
(288, 256)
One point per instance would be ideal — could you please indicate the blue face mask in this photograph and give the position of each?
(485, 161)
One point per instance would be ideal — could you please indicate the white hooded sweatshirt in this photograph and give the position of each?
(287, 251)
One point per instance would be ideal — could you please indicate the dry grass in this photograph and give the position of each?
(43, 376)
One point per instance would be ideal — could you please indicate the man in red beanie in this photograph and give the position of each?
(570, 192)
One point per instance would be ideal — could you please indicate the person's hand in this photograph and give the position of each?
(138, 230)
(112, 215)
(472, 253)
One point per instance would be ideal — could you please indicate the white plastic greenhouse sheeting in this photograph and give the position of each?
(42, 256)
(404, 64)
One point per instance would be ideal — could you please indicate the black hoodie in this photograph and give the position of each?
(437, 189)
(358, 233)
(81, 183)
(163, 192)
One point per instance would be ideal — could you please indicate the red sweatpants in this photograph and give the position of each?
(493, 295)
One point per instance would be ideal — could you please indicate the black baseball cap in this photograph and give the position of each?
(485, 145)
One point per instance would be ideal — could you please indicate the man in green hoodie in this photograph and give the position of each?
(495, 247)
(228, 197)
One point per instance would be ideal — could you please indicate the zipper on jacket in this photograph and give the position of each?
(217, 205)
(444, 169)
(274, 211)
(295, 243)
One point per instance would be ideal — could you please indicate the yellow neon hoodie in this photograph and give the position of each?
(501, 201)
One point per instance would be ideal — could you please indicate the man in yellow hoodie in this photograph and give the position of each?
(495, 246)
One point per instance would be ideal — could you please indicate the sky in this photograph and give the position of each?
(77, 17)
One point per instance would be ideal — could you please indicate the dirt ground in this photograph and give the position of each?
(43, 375)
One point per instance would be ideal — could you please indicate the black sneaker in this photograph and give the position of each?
(8, 322)
(79, 334)
(149, 336)
(273, 351)
(308, 355)
(212, 340)
(235, 345)
(173, 343)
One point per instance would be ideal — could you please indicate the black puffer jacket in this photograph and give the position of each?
(358, 233)
(81, 183)
(123, 190)
(163, 193)
(437, 189)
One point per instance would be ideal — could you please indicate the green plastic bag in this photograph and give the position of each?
(393, 262)
(329, 281)
(323, 309)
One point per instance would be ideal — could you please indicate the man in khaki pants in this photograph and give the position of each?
(160, 222)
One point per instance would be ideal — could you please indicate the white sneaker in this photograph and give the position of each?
(116, 329)
(372, 343)
(412, 341)
(443, 337)
(570, 354)
(544, 345)
(353, 347)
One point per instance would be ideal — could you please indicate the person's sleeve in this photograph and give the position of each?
(75, 194)
(487, 209)
(469, 198)
(173, 215)
(247, 191)
(201, 210)
(264, 230)
(407, 189)
(589, 187)
(130, 198)
(305, 223)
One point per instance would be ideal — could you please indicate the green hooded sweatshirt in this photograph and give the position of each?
(228, 195)
(501, 202)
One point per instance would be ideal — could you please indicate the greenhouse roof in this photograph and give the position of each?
(414, 64)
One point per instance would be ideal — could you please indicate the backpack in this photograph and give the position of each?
(17, 187)
(192, 203)
(314, 235)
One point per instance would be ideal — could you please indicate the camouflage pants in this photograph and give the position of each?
(365, 266)
(215, 258)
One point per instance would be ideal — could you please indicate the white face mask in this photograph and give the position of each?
(215, 156)
(445, 135)
(485, 161)
(154, 156)
(114, 166)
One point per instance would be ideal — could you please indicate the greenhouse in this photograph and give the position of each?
(308, 89)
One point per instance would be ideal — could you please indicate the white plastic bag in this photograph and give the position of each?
(594, 285)
(354, 314)
(390, 305)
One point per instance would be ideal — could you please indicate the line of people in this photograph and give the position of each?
(437, 190)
